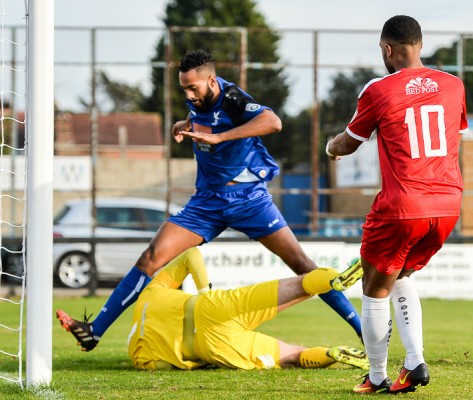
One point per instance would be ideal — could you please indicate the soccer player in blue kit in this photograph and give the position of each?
(233, 167)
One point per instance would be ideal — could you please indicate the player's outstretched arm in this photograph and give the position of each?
(263, 124)
(341, 145)
(174, 273)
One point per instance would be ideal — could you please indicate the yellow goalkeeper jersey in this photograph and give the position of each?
(156, 337)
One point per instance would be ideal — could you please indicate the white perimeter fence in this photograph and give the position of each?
(449, 275)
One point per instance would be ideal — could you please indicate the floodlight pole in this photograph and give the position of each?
(40, 153)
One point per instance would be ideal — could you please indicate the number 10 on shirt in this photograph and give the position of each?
(425, 113)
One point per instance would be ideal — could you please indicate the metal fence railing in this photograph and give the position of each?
(135, 157)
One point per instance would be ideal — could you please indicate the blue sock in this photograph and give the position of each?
(342, 306)
(124, 295)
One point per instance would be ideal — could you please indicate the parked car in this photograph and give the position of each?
(134, 220)
(116, 218)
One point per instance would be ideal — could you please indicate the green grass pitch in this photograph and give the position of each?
(106, 372)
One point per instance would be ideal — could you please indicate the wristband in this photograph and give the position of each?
(327, 151)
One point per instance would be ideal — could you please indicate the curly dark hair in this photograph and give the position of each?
(402, 29)
(196, 59)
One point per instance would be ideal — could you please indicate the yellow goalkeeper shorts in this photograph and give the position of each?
(224, 323)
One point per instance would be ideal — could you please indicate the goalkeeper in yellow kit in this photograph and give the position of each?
(173, 329)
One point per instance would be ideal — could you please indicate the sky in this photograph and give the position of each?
(434, 15)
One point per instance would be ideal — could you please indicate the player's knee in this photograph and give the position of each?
(147, 262)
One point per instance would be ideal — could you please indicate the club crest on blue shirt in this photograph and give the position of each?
(252, 107)
(216, 118)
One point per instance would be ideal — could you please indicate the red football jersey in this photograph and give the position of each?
(417, 115)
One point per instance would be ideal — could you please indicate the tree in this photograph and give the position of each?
(338, 109)
(121, 97)
(445, 57)
(297, 147)
(267, 86)
(124, 98)
(334, 115)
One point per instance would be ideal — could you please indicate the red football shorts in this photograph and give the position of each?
(406, 243)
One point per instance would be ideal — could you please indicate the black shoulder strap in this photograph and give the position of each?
(234, 103)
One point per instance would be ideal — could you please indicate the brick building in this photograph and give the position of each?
(120, 135)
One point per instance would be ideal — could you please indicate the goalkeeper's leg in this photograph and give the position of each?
(320, 357)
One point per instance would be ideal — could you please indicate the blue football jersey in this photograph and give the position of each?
(220, 163)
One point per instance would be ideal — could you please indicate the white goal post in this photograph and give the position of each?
(40, 152)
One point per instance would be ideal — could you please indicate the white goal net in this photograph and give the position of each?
(26, 138)
(12, 188)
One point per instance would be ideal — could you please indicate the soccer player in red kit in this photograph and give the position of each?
(416, 114)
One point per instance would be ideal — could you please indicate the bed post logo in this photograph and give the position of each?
(421, 85)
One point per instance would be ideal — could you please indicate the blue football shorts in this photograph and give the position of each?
(245, 207)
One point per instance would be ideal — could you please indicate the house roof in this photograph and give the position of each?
(143, 129)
